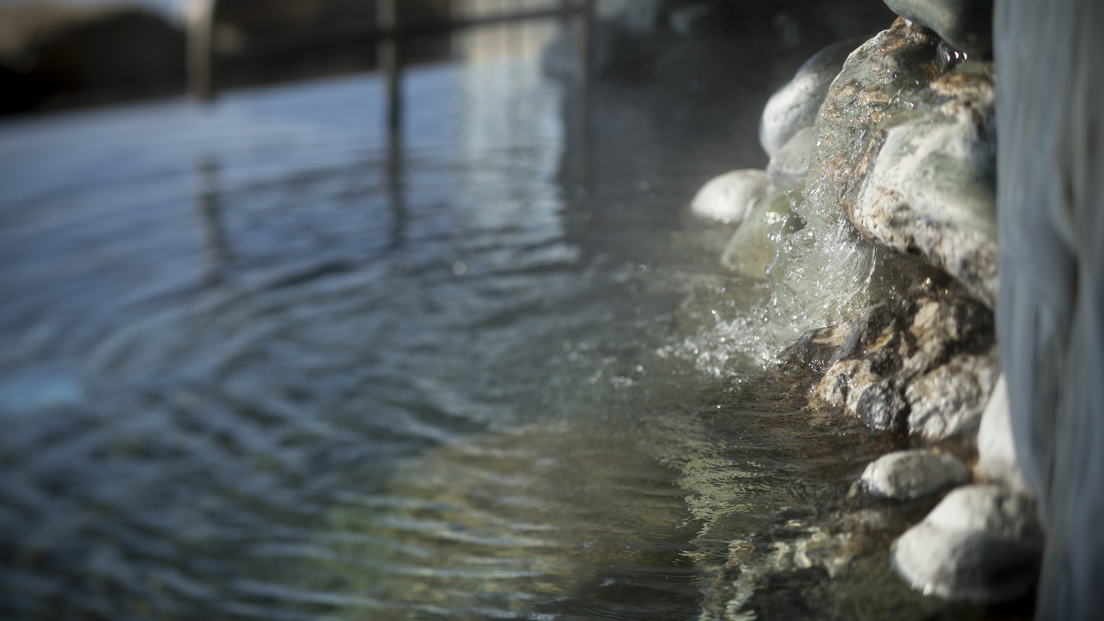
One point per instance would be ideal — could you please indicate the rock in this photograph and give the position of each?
(730, 197)
(883, 83)
(923, 365)
(753, 247)
(815, 348)
(790, 164)
(949, 400)
(982, 543)
(911, 474)
(794, 106)
(996, 445)
(770, 568)
(930, 190)
(965, 24)
(905, 152)
(833, 269)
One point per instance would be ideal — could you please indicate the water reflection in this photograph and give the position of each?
(396, 194)
(218, 251)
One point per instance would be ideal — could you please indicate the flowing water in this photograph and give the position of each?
(257, 364)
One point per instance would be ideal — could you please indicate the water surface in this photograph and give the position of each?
(256, 364)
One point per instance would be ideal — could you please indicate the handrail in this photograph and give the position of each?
(202, 16)
(200, 24)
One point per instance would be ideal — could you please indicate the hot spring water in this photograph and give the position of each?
(250, 369)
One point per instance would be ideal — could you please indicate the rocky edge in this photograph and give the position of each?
(890, 144)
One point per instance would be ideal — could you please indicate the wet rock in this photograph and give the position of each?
(949, 400)
(965, 24)
(790, 164)
(911, 474)
(781, 560)
(996, 445)
(753, 247)
(905, 151)
(981, 543)
(922, 365)
(815, 348)
(883, 83)
(795, 106)
(730, 197)
(833, 269)
(931, 187)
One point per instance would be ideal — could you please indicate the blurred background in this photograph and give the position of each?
(312, 310)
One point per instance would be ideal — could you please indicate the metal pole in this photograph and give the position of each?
(584, 44)
(580, 124)
(387, 55)
(200, 62)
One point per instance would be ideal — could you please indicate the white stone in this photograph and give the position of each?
(911, 474)
(730, 197)
(795, 106)
(982, 543)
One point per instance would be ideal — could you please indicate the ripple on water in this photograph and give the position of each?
(412, 397)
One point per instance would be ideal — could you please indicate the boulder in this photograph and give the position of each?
(949, 400)
(931, 188)
(982, 543)
(730, 197)
(814, 349)
(965, 24)
(905, 475)
(883, 83)
(905, 151)
(924, 366)
(794, 106)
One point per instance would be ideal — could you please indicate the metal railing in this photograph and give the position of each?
(387, 30)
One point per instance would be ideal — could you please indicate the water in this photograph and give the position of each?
(253, 364)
